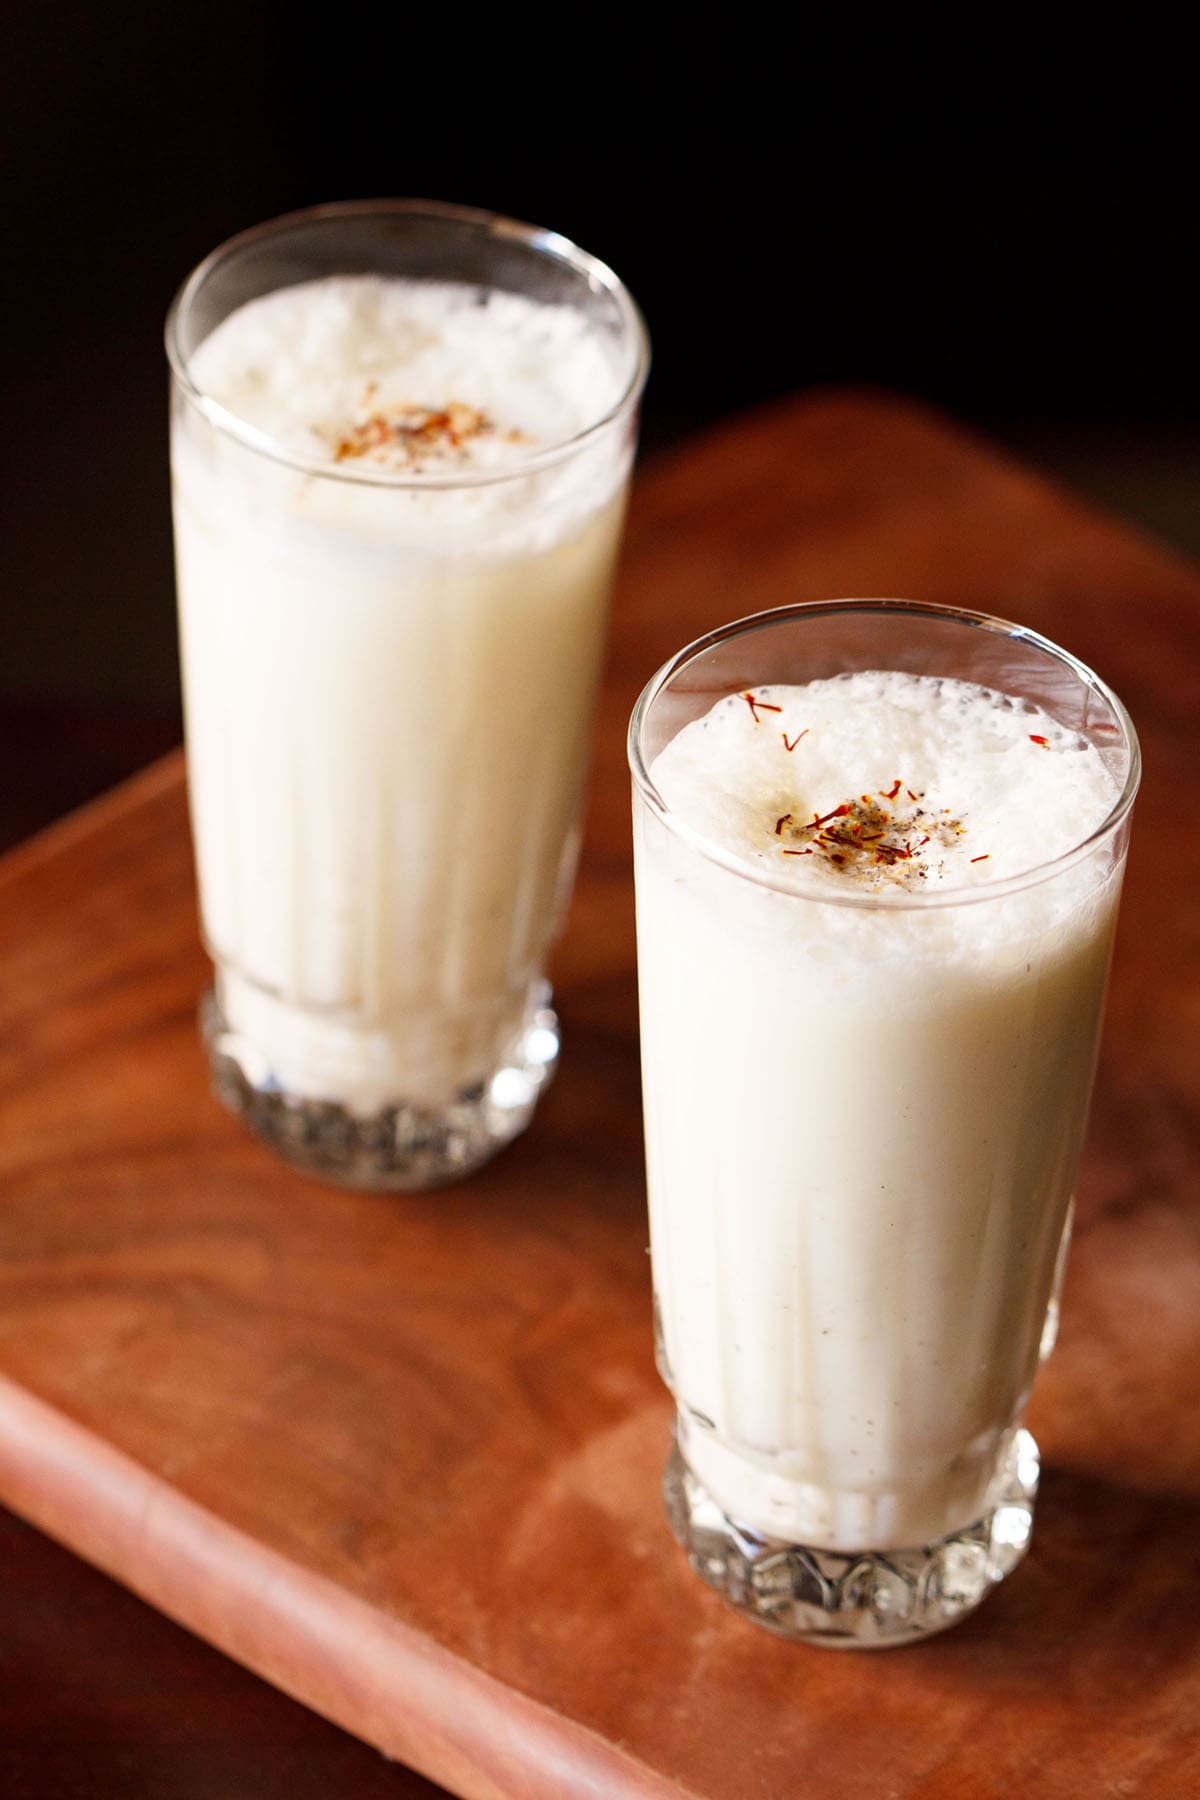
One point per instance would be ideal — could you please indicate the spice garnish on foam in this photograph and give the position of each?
(874, 838)
(757, 706)
(412, 436)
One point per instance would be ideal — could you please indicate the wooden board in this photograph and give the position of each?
(402, 1456)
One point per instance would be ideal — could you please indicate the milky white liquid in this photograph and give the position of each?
(388, 688)
(863, 1122)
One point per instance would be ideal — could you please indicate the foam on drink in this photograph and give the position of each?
(921, 783)
(406, 377)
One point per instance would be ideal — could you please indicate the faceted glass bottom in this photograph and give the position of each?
(863, 1599)
(403, 1147)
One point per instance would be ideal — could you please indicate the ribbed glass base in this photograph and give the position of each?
(401, 1147)
(863, 1599)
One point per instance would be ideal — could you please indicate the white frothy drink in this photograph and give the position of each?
(393, 608)
(867, 1059)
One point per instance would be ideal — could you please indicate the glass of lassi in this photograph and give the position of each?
(879, 848)
(401, 442)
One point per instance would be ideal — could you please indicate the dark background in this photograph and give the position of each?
(1015, 245)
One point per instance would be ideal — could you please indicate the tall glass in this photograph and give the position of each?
(864, 1115)
(389, 676)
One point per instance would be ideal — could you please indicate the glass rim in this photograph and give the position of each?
(551, 244)
(959, 895)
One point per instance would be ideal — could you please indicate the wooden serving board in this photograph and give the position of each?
(402, 1455)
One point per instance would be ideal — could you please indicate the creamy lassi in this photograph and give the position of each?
(398, 504)
(871, 986)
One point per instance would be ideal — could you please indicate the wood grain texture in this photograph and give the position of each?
(402, 1456)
